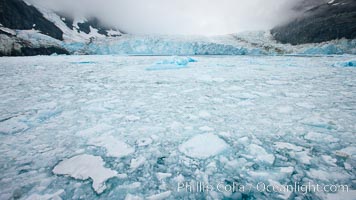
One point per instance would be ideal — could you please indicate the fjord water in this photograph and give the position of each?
(145, 124)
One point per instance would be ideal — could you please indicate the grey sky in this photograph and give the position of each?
(207, 17)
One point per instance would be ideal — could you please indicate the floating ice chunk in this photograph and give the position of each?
(144, 142)
(203, 146)
(160, 196)
(285, 109)
(347, 166)
(206, 128)
(326, 176)
(165, 67)
(113, 146)
(351, 63)
(132, 118)
(287, 170)
(303, 157)
(171, 63)
(95, 129)
(83, 167)
(284, 193)
(137, 162)
(295, 151)
(318, 136)
(347, 152)
(306, 105)
(329, 160)
(177, 60)
(131, 186)
(132, 197)
(319, 122)
(161, 176)
(12, 125)
(204, 114)
(260, 154)
(342, 195)
(53, 196)
(83, 62)
(289, 146)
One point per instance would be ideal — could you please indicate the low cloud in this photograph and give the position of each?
(199, 17)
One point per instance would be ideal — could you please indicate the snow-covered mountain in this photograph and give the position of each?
(321, 21)
(27, 29)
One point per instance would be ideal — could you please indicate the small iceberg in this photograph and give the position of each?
(171, 63)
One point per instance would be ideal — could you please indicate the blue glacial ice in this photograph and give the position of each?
(174, 62)
(248, 43)
(350, 63)
(103, 127)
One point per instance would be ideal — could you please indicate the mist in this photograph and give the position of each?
(187, 17)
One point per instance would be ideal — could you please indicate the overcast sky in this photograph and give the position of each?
(206, 17)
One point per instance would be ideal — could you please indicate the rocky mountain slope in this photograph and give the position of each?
(33, 30)
(321, 21)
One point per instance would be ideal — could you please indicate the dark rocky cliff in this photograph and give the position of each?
(16, 14)
(320, 23)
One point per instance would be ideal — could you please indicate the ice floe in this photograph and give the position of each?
(83, 167)
(260, 154)
(203, 146)
(113, 146)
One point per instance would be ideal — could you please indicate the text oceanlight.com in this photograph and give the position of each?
(272, 187)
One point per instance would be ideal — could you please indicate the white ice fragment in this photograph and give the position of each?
(13, 125)
(179, 179)
(348, 151)
(284, 193)
(137, 162)
(260, 154)
(295, 151)
(160, 196)
(347, 166)
(161, 176)
(113, 146)
(132, 197)
(132, 118)
(206, 128)
(287, 170)
(285, 109)
(318, 137)
(83, 167)
(306, 105)
(53, 196)
(289, 146)
(342, 195)
(204, 114)
(144, 142)
(326, 175)
(174, 62)
(131, 186)
(329, 160)
(303, 157)
(203, 146)
(99, 128)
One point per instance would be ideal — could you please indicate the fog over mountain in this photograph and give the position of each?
(207, 17)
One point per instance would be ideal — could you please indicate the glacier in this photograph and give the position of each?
(246, 43)
(105, 127)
